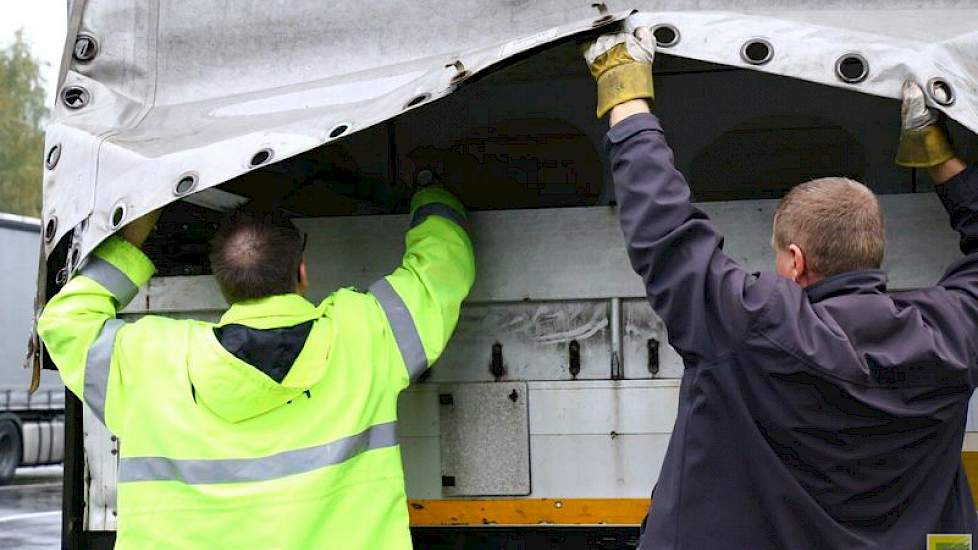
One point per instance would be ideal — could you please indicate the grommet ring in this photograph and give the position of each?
(50, 228)
(73, 257)
(417, 100)
(852, 68)
(261, 157)
(940, 91)
(461, 73)
(74, 97)
(185, 184)
(86, 48)
(757, 51)
(54, 155)
(118, 216)
(339, 130)
(666, 35)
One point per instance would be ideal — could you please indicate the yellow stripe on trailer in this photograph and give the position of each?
(563, 511)
(970, 461)
(537, 511)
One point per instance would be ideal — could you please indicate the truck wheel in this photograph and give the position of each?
(10, 451)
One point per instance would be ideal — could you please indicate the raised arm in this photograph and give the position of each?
(959, 194)
(79, 325)
(924, 144)
(706, 299)
(421, 298)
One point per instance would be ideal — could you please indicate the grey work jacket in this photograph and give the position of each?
(826, 417)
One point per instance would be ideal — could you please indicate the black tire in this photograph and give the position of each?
(11, 449)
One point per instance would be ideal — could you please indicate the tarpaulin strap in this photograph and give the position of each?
(238, 470)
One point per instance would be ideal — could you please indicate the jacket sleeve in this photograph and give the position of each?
(706, 299)
(421, 298)
(960, 198)
(80, 329)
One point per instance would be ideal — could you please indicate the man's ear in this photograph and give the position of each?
(799, 268)
(302, 282)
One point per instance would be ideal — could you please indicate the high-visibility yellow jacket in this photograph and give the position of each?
(214, 451)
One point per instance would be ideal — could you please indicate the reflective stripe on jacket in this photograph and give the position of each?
(214, 452)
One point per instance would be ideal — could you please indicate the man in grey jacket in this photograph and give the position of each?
(816, 410)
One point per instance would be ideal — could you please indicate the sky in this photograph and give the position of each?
(44, 23)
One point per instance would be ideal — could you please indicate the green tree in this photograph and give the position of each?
(21, 139)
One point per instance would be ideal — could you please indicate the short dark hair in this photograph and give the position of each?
(837, 223)
(256, 254)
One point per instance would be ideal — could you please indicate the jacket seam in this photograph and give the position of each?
(972, 347)
(817, 370)
(739, 345)
(682, 474)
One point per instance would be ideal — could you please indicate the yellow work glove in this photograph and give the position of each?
(621, 63)
(923, 141)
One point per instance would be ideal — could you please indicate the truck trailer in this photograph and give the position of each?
(31, 422)
(545, 422)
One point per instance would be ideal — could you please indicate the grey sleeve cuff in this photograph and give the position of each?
(438, 209)
(112, 278)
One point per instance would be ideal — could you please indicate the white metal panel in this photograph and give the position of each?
(600, 438)
(418, 434)
(606, 407)
(596, 466)
(513, 268)
(101, 473)
(534, 339)
(421, 457)
(485, 447)
(164, 295)
(417, 414)
(642, 325)
(587, 438)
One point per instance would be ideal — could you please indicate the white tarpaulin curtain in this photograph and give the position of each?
(156, 93)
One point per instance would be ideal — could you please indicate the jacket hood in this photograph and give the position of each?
(236, 390)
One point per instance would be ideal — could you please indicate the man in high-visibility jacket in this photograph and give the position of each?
(275, 427)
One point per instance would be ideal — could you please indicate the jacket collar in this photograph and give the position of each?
(864, 281)
(283, 310)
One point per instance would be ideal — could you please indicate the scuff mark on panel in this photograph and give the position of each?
(550, 324)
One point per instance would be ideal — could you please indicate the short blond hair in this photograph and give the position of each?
(837, 223)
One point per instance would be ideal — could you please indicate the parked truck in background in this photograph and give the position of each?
(31, 424)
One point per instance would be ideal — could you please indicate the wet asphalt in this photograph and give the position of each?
(30, 510)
